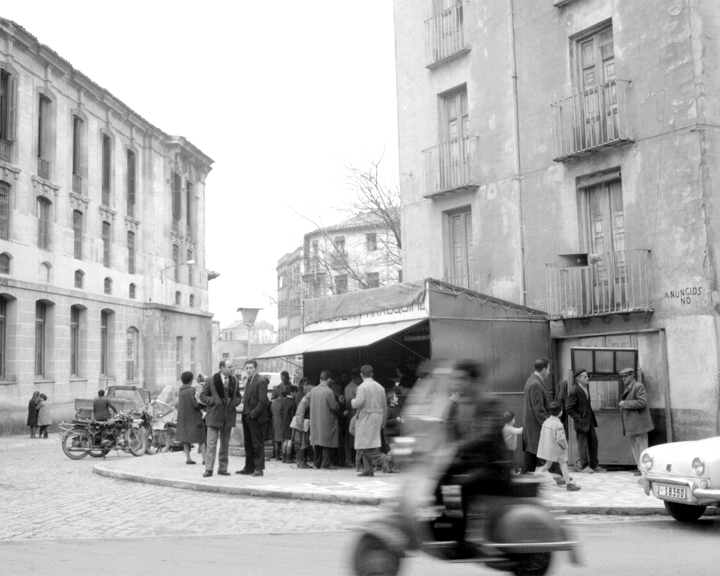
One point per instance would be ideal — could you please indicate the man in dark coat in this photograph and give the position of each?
(323, 423)
(221, 395)
(254, 416)
(102, 407)
(535, 411)
(579, 408)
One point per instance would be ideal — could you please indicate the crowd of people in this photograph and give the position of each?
(346, 420)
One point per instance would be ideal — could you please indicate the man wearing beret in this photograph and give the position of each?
(579, 408)
(636, 419)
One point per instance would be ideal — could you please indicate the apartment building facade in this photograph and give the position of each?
(102, 238)
(561, 154)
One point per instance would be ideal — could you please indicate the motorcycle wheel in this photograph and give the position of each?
(135, 441)
(76, 443)
(535, 564)
(159, 443)
(99, 452)
(148, 434)
(373, 558)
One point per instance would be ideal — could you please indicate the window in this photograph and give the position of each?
(193, 345)
(74, 340)
(178, 356)
(176, 198)
(40, 337)
(131, 292)
(131, 355)
(77, 149)
(8, 105)
(372, 279)
(131, 252)
(371, 241)
(4, 210)
(340, 244)
(444, 31)
(106, 317)
(341, 284)
(43, 141)
(79, 277)
(108, 285)
(106, 169)
(176, 262)
(5, 263)
(3, 341)
(131, 174)
(190, 202)
(459, 247)
(225, 355)
(192, 300)
(190, 267)
(178, 298)
(106, 243)
(43, 215)
(77, 233)
(45, 272)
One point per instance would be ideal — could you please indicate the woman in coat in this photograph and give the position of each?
(44, 419)
(190, 425)
(33, 413)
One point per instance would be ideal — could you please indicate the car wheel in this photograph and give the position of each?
(373, 557)
(684, 512)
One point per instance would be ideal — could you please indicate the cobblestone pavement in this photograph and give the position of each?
(45, 495)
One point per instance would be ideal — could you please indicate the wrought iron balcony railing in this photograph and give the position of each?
(612, 283)
(43, 167)
(590, 120)
(451, 166)
(5, 149)
(445, 34)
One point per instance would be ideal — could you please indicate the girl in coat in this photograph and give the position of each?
(44, 419)
(553, 446)
(190, 426)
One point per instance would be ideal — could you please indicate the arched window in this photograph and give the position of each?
(192, 300)
(132, 291)
(131, 355)
(108, 285)
(178, 298)
(45, 269)
(41, 318)
(5, 263)
(79, 278)
(75, 319)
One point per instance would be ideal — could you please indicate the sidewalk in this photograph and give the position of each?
(609, 493)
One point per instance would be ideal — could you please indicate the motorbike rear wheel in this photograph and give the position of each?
(372, 557)
(135, 441)
(535, 564)
(76, 443)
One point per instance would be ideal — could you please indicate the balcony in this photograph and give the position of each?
(445, 35)
(591, 120)
(451, 167)
(43, 168)
(611, 283)
(5, 149)
(77, 183)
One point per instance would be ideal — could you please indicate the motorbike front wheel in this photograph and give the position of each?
(535, 564)
(159, 442)
(373, 558)
(76, 443)
(135, 441)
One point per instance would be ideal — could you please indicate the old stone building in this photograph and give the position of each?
(102, 238)
(562, 154)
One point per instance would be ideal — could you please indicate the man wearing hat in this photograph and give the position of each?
(579, 408)
(635, 414)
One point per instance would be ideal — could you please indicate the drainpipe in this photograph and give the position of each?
(517, 181)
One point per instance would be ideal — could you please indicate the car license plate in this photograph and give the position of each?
(675, 492)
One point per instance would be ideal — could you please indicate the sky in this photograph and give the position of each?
(281, 95)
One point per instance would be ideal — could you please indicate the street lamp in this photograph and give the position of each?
(249, 315)
(189, 263)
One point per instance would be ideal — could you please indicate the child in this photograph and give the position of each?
(553, 446)
(510, 435)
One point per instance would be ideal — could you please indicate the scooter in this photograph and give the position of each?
(511, 531)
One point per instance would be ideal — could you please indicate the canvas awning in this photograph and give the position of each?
(338, 339)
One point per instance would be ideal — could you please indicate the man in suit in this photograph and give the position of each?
(371, 407)
(254, 416)
(579, 408)
(221, 395)
(323, 423)
(535, 412)
(635, 414)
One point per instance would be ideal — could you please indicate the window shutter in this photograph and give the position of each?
(12, 107)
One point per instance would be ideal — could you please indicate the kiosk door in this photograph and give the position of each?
(603, 366)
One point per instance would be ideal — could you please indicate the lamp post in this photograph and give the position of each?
(249, 315)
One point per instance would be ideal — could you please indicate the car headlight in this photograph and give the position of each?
(698, 466)
(647, 461)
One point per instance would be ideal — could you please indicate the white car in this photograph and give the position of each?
(684, 475)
